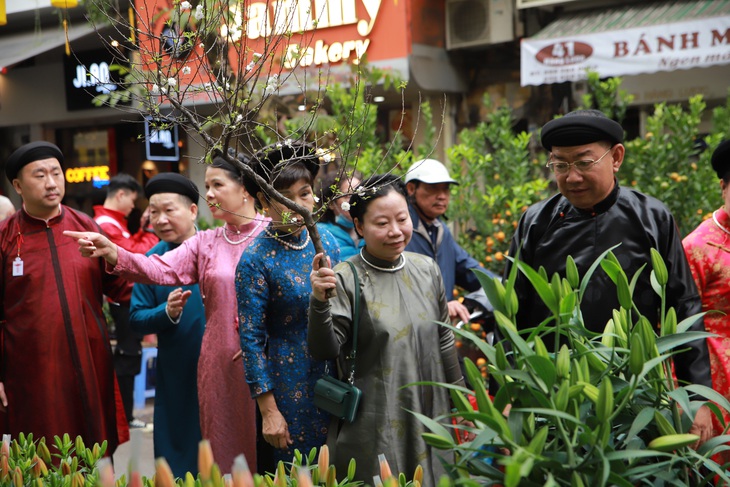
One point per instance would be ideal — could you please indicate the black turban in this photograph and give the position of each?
(579, 128)
(270, 160)
(171, 182)
(721, 159)
(35, 151)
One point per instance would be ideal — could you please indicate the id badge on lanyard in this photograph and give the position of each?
(18, 262)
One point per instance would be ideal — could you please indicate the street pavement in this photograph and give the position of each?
(140, 448)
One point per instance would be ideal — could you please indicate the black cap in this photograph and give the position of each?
(579, 128)
(34, 151)
(172, 182)
(721, 159)
(273, 158)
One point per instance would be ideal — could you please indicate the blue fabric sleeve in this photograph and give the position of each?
(465, 277)
(252, 296)
(146, 316)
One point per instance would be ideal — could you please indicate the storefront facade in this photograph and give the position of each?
(663, 51)
(46, 94)
(528, 54)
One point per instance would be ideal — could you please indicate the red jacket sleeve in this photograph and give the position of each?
(140, 242)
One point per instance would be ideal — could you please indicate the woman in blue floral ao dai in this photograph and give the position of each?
(273, 288)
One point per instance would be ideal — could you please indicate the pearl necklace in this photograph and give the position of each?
(714, 219)
(288, 244)
(397, 267)
(238, 232)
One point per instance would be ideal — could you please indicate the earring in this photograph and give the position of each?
(245, 200)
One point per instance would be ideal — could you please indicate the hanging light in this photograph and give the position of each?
(65, 3)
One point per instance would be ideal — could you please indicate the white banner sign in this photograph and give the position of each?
(669, 47)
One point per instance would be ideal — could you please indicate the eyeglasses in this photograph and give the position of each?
(562, 167)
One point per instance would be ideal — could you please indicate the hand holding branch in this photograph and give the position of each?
(322, 278)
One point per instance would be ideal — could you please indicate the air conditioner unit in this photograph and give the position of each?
(471, 23)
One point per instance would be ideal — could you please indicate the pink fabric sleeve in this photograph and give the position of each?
(178, 267)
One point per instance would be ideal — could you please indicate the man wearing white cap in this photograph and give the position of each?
(429, 189)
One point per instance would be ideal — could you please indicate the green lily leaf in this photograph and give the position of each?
(544, 368)
(592, 269)
(686, 323)
(541, 286)
(673, 342)
(642, 419)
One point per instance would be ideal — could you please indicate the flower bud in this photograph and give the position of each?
(623, 291)
(43, 451)
(385, 472)
(331, 480)
(418, 474)
(604, 406)
(79, 444)
(205, 460)
(540, 348)
(636, 354)
(280, 476)
(660, 268)
(163, 474)
(608, 334)
(303, 478)
(571, 272)
(669, 327)
(323, 461)
(65, 467)
(18, 477)
(240, 473)
(562, 363)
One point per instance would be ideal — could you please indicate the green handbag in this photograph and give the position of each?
(339, 398)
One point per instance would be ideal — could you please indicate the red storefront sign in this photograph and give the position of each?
(309, 34)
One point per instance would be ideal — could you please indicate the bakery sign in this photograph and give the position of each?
(266, 19)
(697, 43)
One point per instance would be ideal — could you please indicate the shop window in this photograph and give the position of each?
(91, 163)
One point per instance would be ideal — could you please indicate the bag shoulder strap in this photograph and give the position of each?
(355, 321)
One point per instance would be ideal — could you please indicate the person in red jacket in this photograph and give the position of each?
(121, 195)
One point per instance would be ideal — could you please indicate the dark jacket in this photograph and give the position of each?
(551, 230)
(454, 262)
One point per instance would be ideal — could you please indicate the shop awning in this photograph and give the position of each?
(630, 39)
(16, 48)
